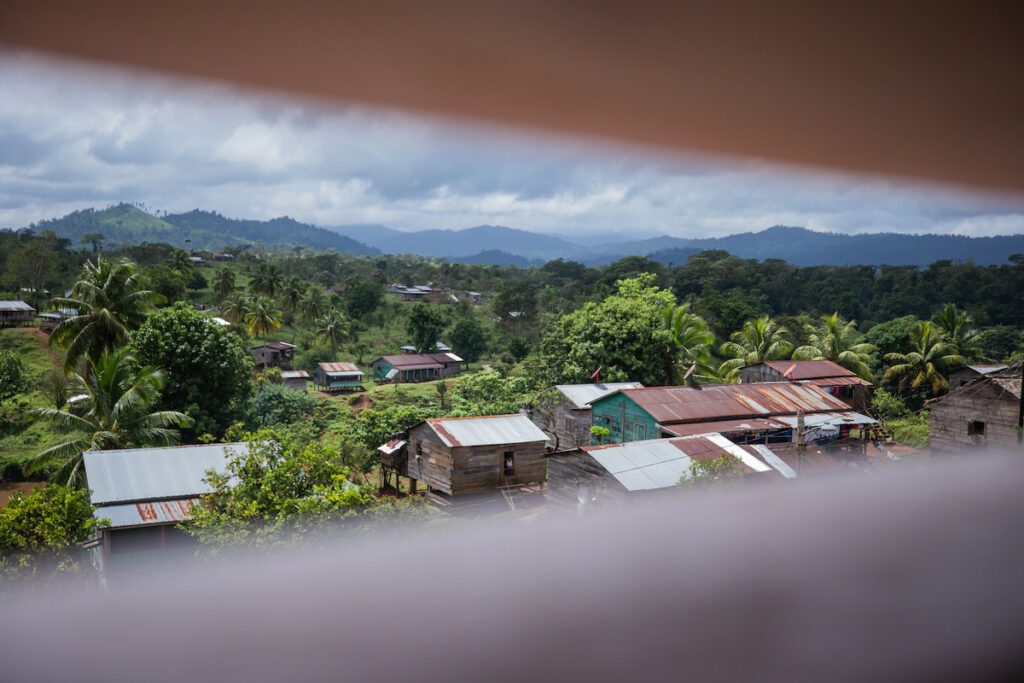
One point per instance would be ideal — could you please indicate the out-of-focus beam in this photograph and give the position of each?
(926, 89)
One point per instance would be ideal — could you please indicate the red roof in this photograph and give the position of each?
(808, 369)
(413, 361)
(332, 368)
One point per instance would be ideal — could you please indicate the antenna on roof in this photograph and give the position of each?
(596, 376)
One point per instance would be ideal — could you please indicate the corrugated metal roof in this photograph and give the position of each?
(756, 424)
(340, 368)
(668, 405)
(986, 369)
(294, 374)
(837, 381)
(848, 417)
(392, 446)
(146, 514)
(413, 361)
(276, 345)
(141, 474)
(768, 455)
(808, 369)
(15, 306)
(486, 430)
(582, 394)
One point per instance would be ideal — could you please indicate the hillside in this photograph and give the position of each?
(128, 224)
(496, 257)
(458, 244)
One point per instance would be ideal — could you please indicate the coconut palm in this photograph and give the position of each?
(224, 282)
(111, 303)
(117, 412)
(836, 340)
(233, 308)
(181, 260)
(930, 356)
(292, 293)
(960, 332)
(268, 280)
(333, 328)
(693, 341)
(314, 304)
(758, 340)
(261, 316)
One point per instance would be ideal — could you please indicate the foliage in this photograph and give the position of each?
(930, 356)
(488, 393)
(56, 386)
(468, 339)
(759, 340)
(600, 433)
(111, 304)
(208, 369)
(710, 473)
(911, 430)
(362, 296)
(116, 413)
(333, 329)
(693, 341)
(888, 405)
(224, 283)
(426, 323)
(518, 348)
(261, 316)
(268, 280)
(274, 404)
(40, 532)
(1002, 342)
(892, 336)
(838, 341)
(278, 492)
(960, 333)
(623, 335)
(376, 425)
(13, 376)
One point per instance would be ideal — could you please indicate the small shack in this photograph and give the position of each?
(342, 376)
(455, 456)
(563, 412)
(145, 493)
(49, 320)
(295, 379)
(273, 354)
(832, 377)
(16, 313)
(416, 367)
(985, 413)
(960, 377)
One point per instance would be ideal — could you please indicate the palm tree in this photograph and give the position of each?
(224, 282)
(181, 260)
(360, 348)
(333, 328)
(759, 340)
(111, 304)
(693, 341)
(836, 340)
(116, 413)
(292, 292)
(314, 304)
(261, 316)
(930, 356)
(960, 332)
(234, 308)
(268, 280)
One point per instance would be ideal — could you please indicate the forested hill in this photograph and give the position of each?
(126, 224)
(802, 247)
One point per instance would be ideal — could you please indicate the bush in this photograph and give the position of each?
(888, 405)
(274, 404)
(912, 430)
(12, 375)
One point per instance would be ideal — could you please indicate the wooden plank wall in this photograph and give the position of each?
(949, 418)
(568, 471)
(567, 425)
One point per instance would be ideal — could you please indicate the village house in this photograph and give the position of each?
(746, 413)
(273, 354)
(455, 456)
(416, 367)
(474, 297)
(832, 377)
(563, 412)
(222, 256)
(985, 413)
(15, 313)
(440, 346)
(144, 493)
(960, 377)
(343, 376)
(295, 379)
(49, 320)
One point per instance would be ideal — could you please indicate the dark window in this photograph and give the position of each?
(510, 463)
(975, 428)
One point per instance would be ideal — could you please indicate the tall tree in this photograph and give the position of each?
(468, 338)
(292, 292)
(261, 316)
(118, 412)
(224, 282)
(314, 304)
(181, 261)
(268, 280)
(758, 340)
(693, 341)
(960, 332)
(838, 341)
(95, 239)
(333, 329)
(111, 303)
(426, 323)
(925, 365)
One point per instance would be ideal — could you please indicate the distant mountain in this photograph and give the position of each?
(127, 224)
(494, 257)
(459, 244)
(803, 247)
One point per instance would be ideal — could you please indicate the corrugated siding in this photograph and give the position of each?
(484, 431)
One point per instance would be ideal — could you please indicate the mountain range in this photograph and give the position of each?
(498, 245)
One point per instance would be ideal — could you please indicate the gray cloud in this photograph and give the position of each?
(75, 135)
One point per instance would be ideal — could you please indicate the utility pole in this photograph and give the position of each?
(801, 445)
(1020, 411)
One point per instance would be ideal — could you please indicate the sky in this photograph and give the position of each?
(75, 135)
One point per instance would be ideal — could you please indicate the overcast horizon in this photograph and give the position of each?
(75, 135)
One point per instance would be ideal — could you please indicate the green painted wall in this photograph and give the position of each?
(624, 419)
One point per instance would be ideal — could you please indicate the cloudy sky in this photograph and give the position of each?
(75, 136)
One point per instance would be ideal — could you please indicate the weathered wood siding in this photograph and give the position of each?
(758, 374)
(297, 384)
(430, 461)
(567, 426)
(624, 419)
(950, 417)
(576, 482)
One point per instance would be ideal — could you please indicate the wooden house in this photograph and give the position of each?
(273, 354)
(455, 456)
(49, 320)
(16, 313)
(986, 412)
(337, 377)
(832, 377)
(295, 379)
(960, 377)
(747, 413)
(563, 412)
(416, 367)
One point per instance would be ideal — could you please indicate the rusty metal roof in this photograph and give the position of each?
(490, 430)
(294, 374)
(146, 514)
(756, 424)
(669, 405)
(413, 361)
(339, 368)
(808, 369)
(837, 381)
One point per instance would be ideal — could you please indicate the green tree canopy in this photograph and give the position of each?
(426, 323)
(468, 338)
(758, 340)
(12, 375)
(838, 341)
(925, 365)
